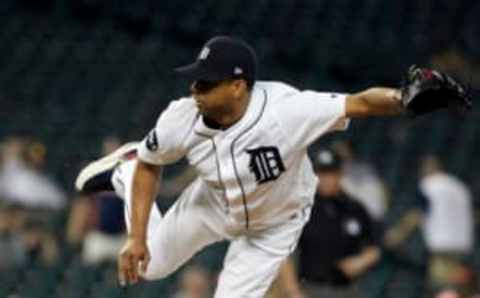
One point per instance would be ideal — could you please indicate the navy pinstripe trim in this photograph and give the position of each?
(203, 135)
(219, 173)
(244, 197)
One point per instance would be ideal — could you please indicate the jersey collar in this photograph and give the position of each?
(252, 114)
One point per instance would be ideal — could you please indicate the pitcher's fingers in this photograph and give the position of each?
(144, 264)
(122, 271)
(134, 266)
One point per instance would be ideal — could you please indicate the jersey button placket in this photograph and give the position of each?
(219, 176)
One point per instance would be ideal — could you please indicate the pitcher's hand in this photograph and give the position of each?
(133, 259)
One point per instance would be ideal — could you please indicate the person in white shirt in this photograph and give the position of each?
(248, 141)
(445, 215)
(448, 225)
(23, 180)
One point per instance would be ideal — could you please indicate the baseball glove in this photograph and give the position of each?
(425, 90)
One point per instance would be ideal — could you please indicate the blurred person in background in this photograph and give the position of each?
(23, 179)
(103, 242)
(25, 239)
(445, 214)
(96, 224)
(39, 243)
(194, 282)
(362, 182)
(28, 197)
(337, 245)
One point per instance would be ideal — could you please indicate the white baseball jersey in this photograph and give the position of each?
(256, 171)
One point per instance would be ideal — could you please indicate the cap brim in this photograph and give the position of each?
(197, 71)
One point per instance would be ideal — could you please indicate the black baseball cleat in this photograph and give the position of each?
(96, 176)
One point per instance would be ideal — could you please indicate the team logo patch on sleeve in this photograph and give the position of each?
(152, 141)
(266, 163)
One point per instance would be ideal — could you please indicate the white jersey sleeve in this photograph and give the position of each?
(164, 143)
(307, 115)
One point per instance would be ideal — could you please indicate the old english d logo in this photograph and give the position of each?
(266, 163)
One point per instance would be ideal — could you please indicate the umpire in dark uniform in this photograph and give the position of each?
(336, 246)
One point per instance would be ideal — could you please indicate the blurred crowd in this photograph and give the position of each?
(420, 247)
(359, 246)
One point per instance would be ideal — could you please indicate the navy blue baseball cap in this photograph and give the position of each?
(222, 58)
(326, 160)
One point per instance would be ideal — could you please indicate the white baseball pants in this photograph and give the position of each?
(193, 222)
